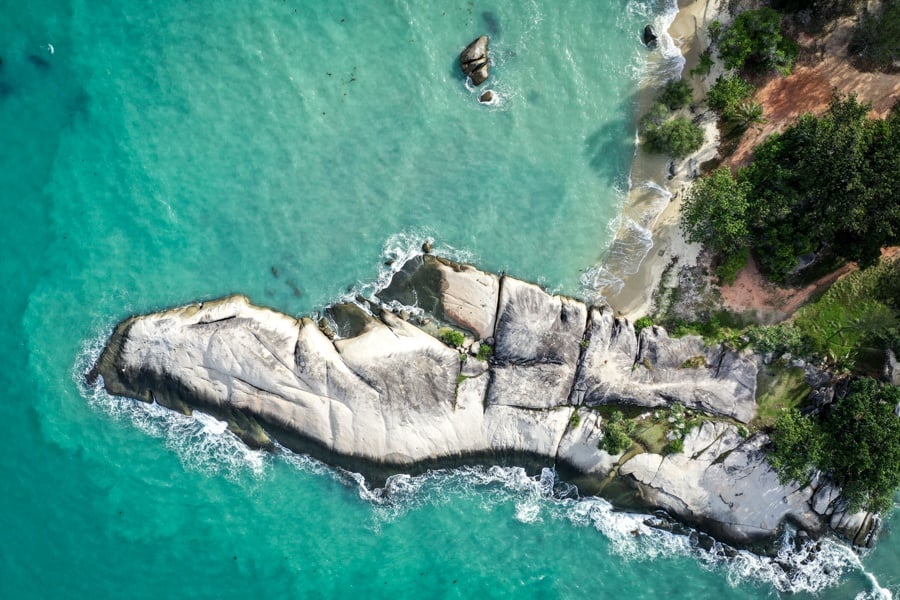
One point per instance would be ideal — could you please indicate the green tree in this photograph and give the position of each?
(798, 445)
(755, 42)
(728, 91)
(827, 184)
(676, 137)
(863, 434)
(715, 213)
(676, 94)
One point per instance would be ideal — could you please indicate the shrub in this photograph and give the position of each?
(485, 351)
(675, 446)
(677, 137)
(731, 265)
(616, 434)
(452, 337)
(704, 64)
(676, 94)
(728, 91)
(797, 446)
(656, 116)
(754, 41)
(715, 31)
(642, 323)
(778, 339)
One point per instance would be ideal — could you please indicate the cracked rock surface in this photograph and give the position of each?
(390, 397)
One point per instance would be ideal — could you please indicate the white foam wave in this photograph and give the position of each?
(798, 567)
(396, 251)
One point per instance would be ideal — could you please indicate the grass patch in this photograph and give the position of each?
(778, 388)
(856, 318)
(695, 362)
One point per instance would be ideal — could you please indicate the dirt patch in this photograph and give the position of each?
(751, 292)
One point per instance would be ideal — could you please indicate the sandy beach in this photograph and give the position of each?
(635, 297)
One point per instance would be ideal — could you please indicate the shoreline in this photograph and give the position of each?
(635, 297)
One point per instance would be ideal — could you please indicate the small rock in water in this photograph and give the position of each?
(650, 38)
(486, 97)
(426, 247)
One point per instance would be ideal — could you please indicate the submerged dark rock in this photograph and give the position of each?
(385, 396)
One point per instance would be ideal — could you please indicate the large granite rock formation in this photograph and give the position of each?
(386, 396)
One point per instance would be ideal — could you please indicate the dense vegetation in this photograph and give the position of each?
(664, 133)
(849, 327)
(676, 94)
(857, 443)
(755, 42)
(877, 38)
(827, 186)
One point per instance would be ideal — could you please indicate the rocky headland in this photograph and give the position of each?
(450, 365)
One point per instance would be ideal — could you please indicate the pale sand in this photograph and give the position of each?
(635, 297)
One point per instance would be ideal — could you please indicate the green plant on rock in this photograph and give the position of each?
(616, 434)
(485, 351)
(642, 323)
(575, 419)
(452, 337)
(695, 362)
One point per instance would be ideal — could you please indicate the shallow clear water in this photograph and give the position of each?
(165, 152)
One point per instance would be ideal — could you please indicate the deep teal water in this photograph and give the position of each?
(170, 151)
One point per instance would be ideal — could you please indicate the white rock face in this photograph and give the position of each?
(389, 397)
(723, 484)
(657, 370)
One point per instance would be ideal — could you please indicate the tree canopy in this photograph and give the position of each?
(857, 444)
(676, 137)
(755, 42)
(828, 185)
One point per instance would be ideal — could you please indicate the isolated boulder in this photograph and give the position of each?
(474, 60)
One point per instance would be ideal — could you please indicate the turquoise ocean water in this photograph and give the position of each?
(154, 153)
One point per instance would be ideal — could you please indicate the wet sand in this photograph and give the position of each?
(635, 297)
